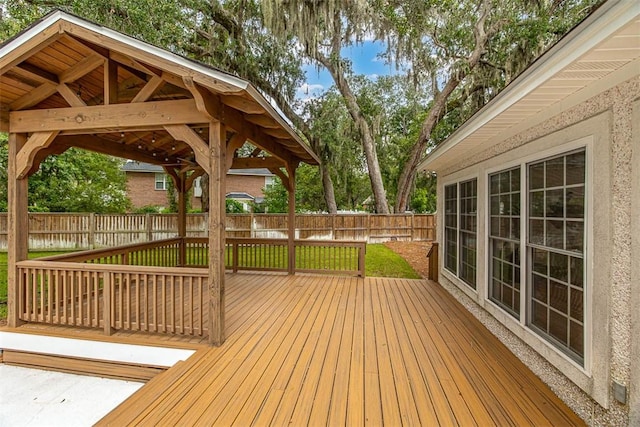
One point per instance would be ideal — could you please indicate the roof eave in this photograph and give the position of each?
(602, 23)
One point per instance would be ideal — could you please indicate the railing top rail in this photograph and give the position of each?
(116, 249)
(309, 242)
(113, 268)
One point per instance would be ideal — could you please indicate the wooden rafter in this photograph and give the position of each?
(185, 134)
(147, 91)
(242, 104)
(70, 96)
(30, 71)
(48, 88)
(128, 61)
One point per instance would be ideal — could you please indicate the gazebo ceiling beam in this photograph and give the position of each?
(119, 117)
(256, 163)
(100, 145)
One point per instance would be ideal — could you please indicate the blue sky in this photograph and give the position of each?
(365, 61)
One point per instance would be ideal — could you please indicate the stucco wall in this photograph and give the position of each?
(605, 122)
(634, 387)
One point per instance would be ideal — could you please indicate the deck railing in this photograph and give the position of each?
(312, 256)
(114, 297)
(159, 286)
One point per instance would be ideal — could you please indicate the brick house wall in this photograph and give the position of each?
(141, 189)
(250, 184)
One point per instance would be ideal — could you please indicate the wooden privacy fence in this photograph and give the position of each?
(62, 231)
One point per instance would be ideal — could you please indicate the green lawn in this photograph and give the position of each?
(3, 278)
(380, 261)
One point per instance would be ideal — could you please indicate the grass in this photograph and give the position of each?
(383, 262)
(3, 278)
(380, 261)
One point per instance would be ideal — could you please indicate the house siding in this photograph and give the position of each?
(611, 123)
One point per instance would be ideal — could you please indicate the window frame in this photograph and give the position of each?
(163, 181)
(459, 231)
(585, 143)
(489, 240)
(530, 248)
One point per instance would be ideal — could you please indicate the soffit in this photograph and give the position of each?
(560, 75)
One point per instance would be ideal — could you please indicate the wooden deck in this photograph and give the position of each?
(311, 350)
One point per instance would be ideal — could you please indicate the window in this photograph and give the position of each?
(268, 181)
(504, 240)
(555, 249)
(461, 229)
(451, 227)
(161, 181)
(468, 229)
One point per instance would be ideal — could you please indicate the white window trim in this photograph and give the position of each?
(461, 284)
(156, 181)
(585, 143)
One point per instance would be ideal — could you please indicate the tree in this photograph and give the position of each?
(232, 35)
(465, 50)
(468, 51)
(75, 181)
(323, 29)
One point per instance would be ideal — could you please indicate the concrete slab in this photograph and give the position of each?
(35, 398)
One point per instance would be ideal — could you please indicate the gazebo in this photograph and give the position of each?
(66, 82)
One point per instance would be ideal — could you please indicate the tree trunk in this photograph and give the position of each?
(366, 134)
(204, 184)
(329, 194)
(410, 169)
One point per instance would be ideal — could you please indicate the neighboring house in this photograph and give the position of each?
(539, 215)
(147, 185)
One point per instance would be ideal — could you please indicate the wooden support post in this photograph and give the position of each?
(292, 218)
(433, 262)
(182, 218)
(18, 227)
(217, 176)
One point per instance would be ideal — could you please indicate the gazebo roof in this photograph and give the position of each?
(65, 63)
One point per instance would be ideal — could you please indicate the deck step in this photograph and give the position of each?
(72, 365)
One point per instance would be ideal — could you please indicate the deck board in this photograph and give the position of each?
(318, 350)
